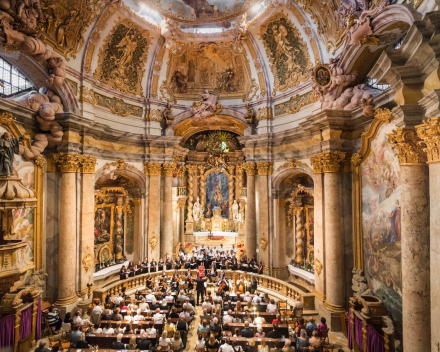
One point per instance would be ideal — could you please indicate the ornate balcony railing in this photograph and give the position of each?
(270, 283)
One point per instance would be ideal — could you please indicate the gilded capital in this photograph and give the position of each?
(202, 169)
(239, 169)
(327, 162)
(87, 164)
(137, 201)
(67, 162)
(250, 168)
(404, 142)
(39, 161)
(429, 132)
(265, 168)
(153, 169)
(192, 169)
(231, 169)
(168, 169)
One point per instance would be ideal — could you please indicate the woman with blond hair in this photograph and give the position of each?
(164, 341)
(131, 344)
(212, 343)
(169, 326)
(176, 342)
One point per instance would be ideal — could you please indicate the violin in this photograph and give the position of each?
(223, 285)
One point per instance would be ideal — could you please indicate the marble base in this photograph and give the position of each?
(303, 274)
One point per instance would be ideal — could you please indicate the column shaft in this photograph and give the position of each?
(154, 171)
(319, 237)
(166, 247)
(250, 215)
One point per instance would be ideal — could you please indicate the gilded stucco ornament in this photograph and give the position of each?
(153, 115)
(64, 23)
(429, 133)
(406, 144)
(318, 266)
(207, 106)
(263, 244)
(88, 262)
(383, 115)
(264, 114)
(327, 162)
(153, 242)
(121, 61)
(288, 54)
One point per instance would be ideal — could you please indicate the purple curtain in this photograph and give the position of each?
(38, 329)
(374, 340)
(7, 331)
(25, 323)
(358, 332)
(349, 333)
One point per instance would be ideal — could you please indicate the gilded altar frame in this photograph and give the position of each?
(381, 117)
(7, 121)
(108, 244)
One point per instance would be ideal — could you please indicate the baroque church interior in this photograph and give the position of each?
(219, 175)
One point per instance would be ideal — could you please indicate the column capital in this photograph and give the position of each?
(231, 169)
(168, 169)
(265, 168)
(192, 169)
(239, 169)
(405, 142)
(153, 169)
(327, 162)
(87, 164)
(68, 163)
(250, 168)
(429, 132)
(137, 201)
(39, 161)
(202, 169)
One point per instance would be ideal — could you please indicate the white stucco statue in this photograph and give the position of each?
(197, 210)
(235, 214)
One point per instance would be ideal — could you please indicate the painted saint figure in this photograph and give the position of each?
(8, 147)
(395, 223)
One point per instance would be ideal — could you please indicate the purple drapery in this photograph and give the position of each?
(374, 340)
(358, 332)
(7, 331)
(38, 329)
(25, 323)
(349, 332)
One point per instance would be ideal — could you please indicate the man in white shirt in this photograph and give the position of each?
(271, 307)
(149, 297)
(189, 306)
(247, 297)
(207, 305)
(228, 318)
(169, 297)
(143, 306)
(138, 316)
(151, 331)
(119, 299)
(157, 317)
(226, 347)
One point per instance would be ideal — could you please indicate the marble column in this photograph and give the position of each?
(154, 172)
(264, 171)
(330, 164)
(250, 214)
(318, 196)
(166, 241)
(192, 171)
(429, 132)
(279, 246)
(138, 234)
(415, 244)
(87, 218)
(299, 234)
(67, 249)
(238, 180)
(202, 183)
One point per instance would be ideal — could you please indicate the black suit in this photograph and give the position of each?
(144, 345)
(118, 345)
(247, 333)
(200, 287)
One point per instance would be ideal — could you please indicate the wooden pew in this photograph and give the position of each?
(282, 328)
(103, 340)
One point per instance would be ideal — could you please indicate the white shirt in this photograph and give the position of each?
(227, 319)
(188, 305)
(97, 309)
(164, 342)
(271, 308)
(77, 320)
(151, 331)
(97, 331)
(118, 300)
(254, 300)
(226, 348)
(169, 298)
(143, 306)
(150, 297)
(158, 318)
(299, 305)
(207, 305)
(200, 343)
(247, 298)
(108, 331)
(138, 317)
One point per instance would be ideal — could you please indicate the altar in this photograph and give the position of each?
(215, 238)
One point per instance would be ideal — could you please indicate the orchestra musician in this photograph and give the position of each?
(212, 271)
(201, 271)
(149, 282)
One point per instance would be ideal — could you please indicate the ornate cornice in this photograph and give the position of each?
(294, 163)
(153, 169)
(67, 162)
(405, 143)
(87, 164)
(327, 162)
(265, 168)
(264, 114)
(429, 132)
(250, 168)
(168, 169)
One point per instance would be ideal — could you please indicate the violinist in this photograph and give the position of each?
(169, 263)
(153, 265)
(223, 286)
(160, 264)
(189, 280)
(162, 285)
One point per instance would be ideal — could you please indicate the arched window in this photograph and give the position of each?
(12, 80)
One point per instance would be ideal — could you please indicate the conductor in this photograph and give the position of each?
(200, 288)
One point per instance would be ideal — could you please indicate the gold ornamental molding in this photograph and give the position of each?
(250, 169)
(318, 266)
(168, 169)
(264, 114)
(406, 144)
(295, 103)
(294, 163)
(68, 163)
(87, 164)
(327, 162)
(153, 115)
(265, 168)
(87, 262)
(153, 169)
(429, 133)
(153, 242)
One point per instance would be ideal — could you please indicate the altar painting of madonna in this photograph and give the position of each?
(217, 194)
